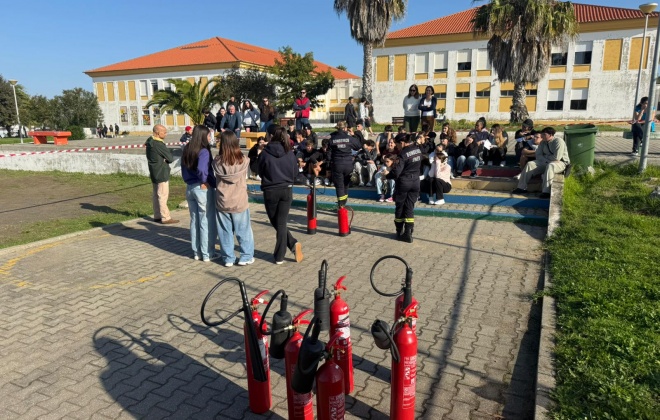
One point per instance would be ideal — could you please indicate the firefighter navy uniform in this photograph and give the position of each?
(340, 149)
(406, 193)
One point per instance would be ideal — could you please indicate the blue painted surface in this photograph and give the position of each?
(370, 194)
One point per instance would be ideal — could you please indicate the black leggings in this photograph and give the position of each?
(278, 203)
(439, 187)
(638, 135)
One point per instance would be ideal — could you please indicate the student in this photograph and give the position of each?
(440, 174)
(365, 162)
(253, 155)
(307, 158)
(382, 182)
(233, 211)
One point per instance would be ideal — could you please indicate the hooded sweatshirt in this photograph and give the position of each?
(277, 168)
(231, 192)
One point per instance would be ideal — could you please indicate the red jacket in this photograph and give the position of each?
(301, 107)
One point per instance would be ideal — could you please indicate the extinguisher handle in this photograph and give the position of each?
(333, 340)
(258, 298)
(411, 310)
(299, 318)
(338, 284)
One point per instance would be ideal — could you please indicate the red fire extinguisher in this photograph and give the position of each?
(404, 370)
(259, 394)
(255, 348)
(300, 405)
(340, 322)
(330, 399)
(342, 220)
(406, 298)
(311, 209)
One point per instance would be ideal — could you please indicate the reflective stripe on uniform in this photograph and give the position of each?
(343, 197)
(398, 220)
(409, 220)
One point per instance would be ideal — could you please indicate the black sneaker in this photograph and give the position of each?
(473, 174)
(519, 191)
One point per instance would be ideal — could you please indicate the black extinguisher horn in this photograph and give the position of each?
(322, 298)
(311, 354)
(281, 327)
(407, 287)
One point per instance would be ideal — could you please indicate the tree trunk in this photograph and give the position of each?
(367, 71)
(519, 108)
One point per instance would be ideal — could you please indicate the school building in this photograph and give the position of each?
(123, 89)
(591, 78)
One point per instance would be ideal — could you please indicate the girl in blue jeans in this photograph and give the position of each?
(233, 213)
(200, 186)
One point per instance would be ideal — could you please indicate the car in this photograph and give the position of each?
(3, 132)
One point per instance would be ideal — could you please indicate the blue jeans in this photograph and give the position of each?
(265, 125)
(201, 204)
(300, 122)
(380, 180)
(472, 163)
(239, 224)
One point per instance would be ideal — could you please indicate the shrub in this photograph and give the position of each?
(77, 133)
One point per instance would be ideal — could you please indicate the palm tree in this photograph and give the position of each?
(522, 33)
(190, 98)
(370, 21)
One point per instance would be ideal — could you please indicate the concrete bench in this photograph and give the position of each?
(251, 138)
(60, 137)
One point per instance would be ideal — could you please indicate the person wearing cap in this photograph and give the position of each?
(310, 135)
(406, 175)
(340, 152)
(187, 135)
(525, 133)
(301, 108)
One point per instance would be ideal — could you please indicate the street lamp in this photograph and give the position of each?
(18, 117)
(647, 9)
(650, 113)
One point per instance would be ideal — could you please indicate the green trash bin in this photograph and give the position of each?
(581, 143)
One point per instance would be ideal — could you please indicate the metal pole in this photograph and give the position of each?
(18, 117)
(641, 60)
(650, 113)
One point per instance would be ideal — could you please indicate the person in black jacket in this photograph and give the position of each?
(406, 193)
(253, 155)
(209, 120)
(341, 148)
(350, 113)
(468, 152)
(278, 168)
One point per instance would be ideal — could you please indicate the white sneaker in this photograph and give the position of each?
(490, 163)
(242, 263)
(317, 181)
(229, 264)
(502, 164)
(361, 184)
(206, 260)
(279, 262)
(431, 201)
(439, 202)
(258, 178)
(369, 184)
(517, 177)
(196, 257)
(326, 182)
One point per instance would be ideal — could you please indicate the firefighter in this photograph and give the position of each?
(341, 145)
(406, 174)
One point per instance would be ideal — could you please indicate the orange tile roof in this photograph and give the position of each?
(209, 51)
(459, 23)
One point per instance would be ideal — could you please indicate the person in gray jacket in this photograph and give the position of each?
(232, 121)
(551, 159)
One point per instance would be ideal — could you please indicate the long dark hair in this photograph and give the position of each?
(230, 151)
(199, 141)
(416, 95)
(641, 101)
(281, 137)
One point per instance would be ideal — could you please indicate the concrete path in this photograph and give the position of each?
(105, 324)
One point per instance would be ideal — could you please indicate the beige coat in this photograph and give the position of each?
(231, 192)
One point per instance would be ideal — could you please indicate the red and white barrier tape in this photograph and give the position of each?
(84, 149)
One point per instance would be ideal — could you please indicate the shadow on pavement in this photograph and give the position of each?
(170, 238)
(151, 378)
(103, 209)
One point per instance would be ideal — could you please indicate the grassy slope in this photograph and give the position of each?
(607, 284)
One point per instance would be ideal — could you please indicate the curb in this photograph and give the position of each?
(545, 368)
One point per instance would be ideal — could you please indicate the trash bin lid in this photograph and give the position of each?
(580, 129)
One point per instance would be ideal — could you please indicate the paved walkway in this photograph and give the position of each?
(105, 324)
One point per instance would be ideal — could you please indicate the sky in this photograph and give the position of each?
(47, 45)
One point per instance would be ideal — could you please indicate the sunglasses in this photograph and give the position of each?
(303, 92)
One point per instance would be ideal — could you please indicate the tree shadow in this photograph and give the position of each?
(153, 379)
(104, 209)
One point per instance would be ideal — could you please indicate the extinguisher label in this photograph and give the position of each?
(302, 405)
(337, 406)
(344, 327)
(409, 379)
(263, 347)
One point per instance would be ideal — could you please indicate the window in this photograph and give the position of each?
(335, 117)
(421, 63)
(441, 95)
(482, 59)
(463, 94)
(556, 100)
(146, 118)
(440, 62)
(464, 58)
(583, 52)
(483, 94)
(509, 93)
(144, 90)
(559, 59)
(154, 86)
(579, 99)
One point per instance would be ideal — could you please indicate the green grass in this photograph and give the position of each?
(11, 140)
(607, 284)
(132, 193)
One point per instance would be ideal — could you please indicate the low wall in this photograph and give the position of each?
(88, 163)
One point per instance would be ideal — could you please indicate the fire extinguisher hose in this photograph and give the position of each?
(263, 316)
(373, 270)
(208, 296)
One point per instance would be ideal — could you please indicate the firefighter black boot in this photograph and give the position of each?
(399, 230)
(407, 233)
